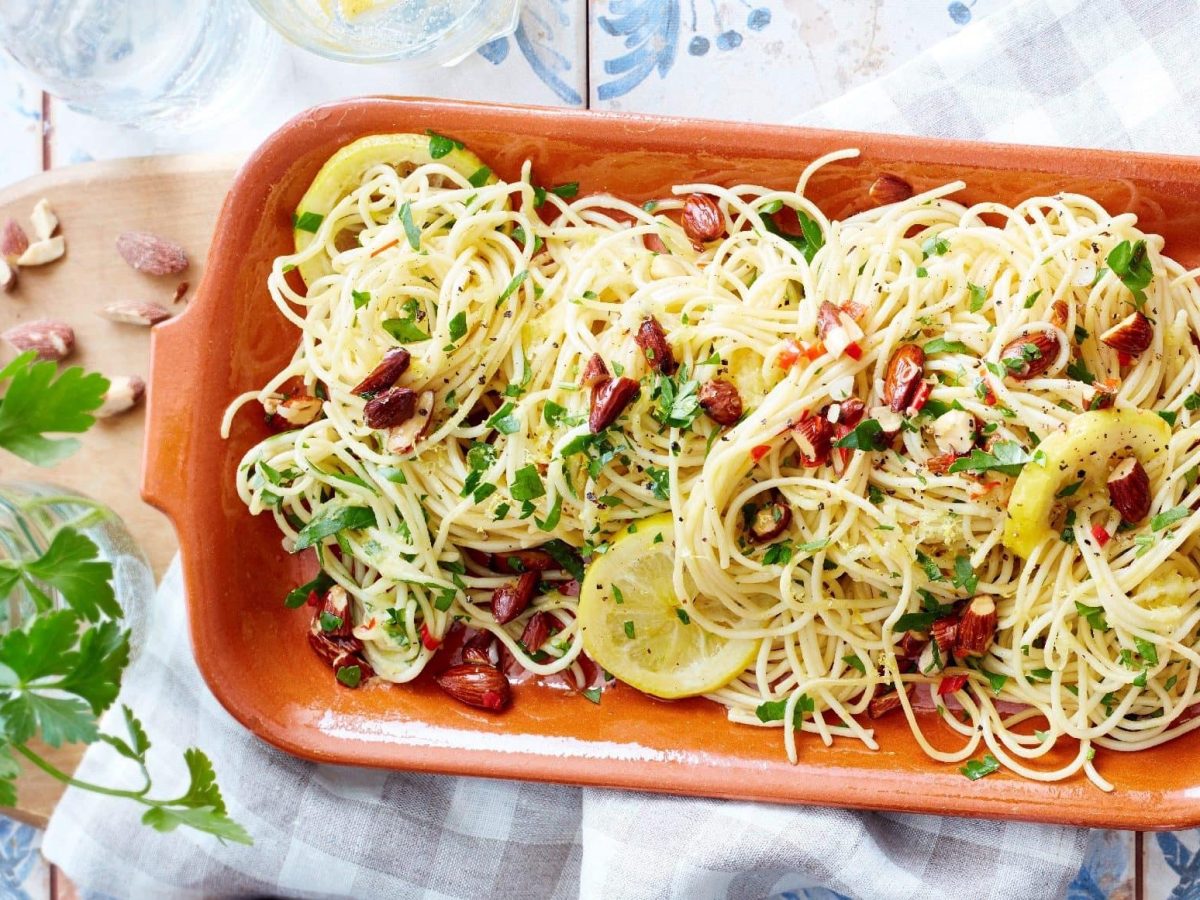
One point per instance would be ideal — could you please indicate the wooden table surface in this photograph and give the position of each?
(759, 60)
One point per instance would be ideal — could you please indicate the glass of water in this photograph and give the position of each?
(417, 32)
(151, 63)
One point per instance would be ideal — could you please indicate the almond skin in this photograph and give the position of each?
(1030, 355)
(594, 372)
(944, 632)
(1129, 490)
(769, 522)
(903, 376)
(390, 408)
(383, 376)
(721, 401)
(402, 438)
(151, 254)
(976, 627)
(850, 412)
(483, 687)
(702, 219)
(520, 561)
(339, 652)
(48, 338)
(609, 399)
(336, 602)
(1133, 335)
(828, 318)
(510, 600)
(13, 241)
(136, 313)
(889, 188)
(653, 341)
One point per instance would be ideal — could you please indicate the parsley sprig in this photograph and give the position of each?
(61, 668)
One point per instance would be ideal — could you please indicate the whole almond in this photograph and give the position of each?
(124, 393)
(383, 376)
(339, 652)
(136, 312)
(44, 221)
(484, 687)
(519, 561)
(702, 219)
(1129, 490)
(510, 600)
(904, 372)
(977, 627)
(889, 188)
(720, 399)
(850, 412)
(13, 241)
(43, 252)
(1030, 355)
(49, 339)
(151, 254)
(609, 399)
(390, 408)
(653, 341)
(1132, 335)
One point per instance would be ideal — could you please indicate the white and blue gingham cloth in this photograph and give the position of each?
(1091, 73)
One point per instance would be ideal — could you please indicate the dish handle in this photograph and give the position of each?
(170, 411)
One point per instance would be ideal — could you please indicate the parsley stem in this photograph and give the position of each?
(62, 776)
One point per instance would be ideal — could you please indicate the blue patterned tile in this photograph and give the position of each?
(1108, 869)
(1172, 866)
(24, 875)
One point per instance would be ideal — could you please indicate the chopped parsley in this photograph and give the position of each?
(1131, 264)
(774, 710)
(941, 345)
(1007, 457)
(1168, 518)
(411, 231)
(308, 221)
(440, 145)
(978, 295)
(976, 768)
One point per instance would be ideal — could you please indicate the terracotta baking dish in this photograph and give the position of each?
(252, 650)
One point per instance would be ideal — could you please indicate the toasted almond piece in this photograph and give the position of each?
(43, 252)
(954, 432)
(124, 393)
(720, 399)
(594, 372)
(977, 627)
(8, 276)
(302, 409)
(478, 649)
(151, 254)
(609, 399)
(484, 687)
(13, 241)
(403, 437)
(136, 312)
(44, 221)
(537, 629)
(1059, 312)
(336, 602)
(890, 421)
(653, 341)
(903, 376)
(1133, 335)
(390, 408)
(387, 373)
(931, 660)
(48, 338)
(889, 188)
(882, 704)
(944, 632)
(702, 219)
(180, 290)
(1129, 490)
(836, 328)
(512, 599)
(1030, 355)
(769, 521)
(814, 436)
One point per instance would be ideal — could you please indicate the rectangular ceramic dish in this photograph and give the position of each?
(252, 650)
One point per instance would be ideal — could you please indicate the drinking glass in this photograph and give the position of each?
(419, 32)
(152, 63)
(30, 516)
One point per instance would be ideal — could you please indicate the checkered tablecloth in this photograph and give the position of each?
(1096, 73)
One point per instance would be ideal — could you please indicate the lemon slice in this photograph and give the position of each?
(631, 624)
(343, 172)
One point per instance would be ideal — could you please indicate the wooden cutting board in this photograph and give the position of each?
(173, 196)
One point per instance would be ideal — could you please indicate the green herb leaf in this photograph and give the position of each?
(360, 298)
(480, 177)
(72, 566)
(660, 482)
(297, 597)
(512, 286)
(1169, 517)
(592, 694)
(566, 556)
(411, 231)
(941, 345)
(978, 296)
(682, 615)
(344, 518)
(527, 484)
(774, 710)
(1146, 650)
(1131, 264)
(855, 663)
(504, 421)
(440, 146)
(1008, 458)
(567, 190)
(551, 520)
(36, 404)
(1093, 614)
(458, 326)
(976, 769)
(308, 221)
(406, 331)
(867, 435)
(964, 575)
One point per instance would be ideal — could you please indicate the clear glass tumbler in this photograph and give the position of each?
(419, 32)
(150, 63)
(30, 516)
